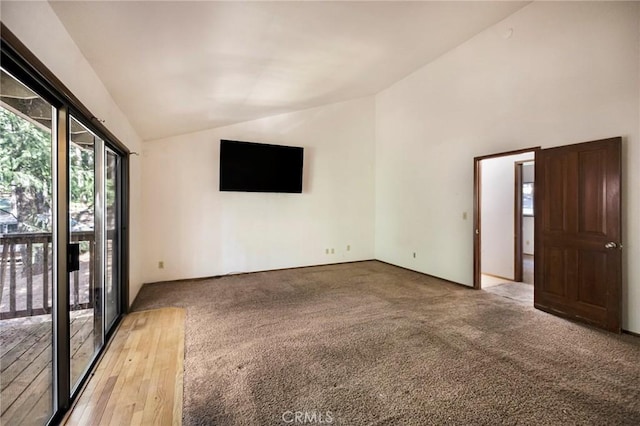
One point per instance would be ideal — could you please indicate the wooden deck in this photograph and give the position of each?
(26, 366)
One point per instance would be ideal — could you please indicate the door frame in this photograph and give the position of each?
(517, 223)
(477, 203)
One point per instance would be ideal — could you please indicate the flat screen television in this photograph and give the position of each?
(257, 167)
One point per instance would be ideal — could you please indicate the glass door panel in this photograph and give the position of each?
(26, 279)
(54, 172)
(112, 249)
(85, 301)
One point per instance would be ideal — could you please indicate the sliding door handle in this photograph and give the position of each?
(73, 263)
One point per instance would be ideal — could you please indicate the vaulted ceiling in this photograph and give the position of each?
(177, 67)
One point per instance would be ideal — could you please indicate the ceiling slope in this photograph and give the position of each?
(177, 67)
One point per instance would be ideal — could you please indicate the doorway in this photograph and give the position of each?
(578, 267)
(503, 210)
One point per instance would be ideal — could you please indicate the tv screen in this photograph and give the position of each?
(257, 167)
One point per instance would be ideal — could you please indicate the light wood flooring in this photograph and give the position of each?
(139, 379)
(527, 274)
(520, 291)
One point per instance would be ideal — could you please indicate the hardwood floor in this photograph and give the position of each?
(489, 280)
(139, 379)
(520, 291)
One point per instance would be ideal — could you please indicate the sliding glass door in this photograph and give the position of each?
(61, 247)
(112, 246)
(85, 307)
(26, 286)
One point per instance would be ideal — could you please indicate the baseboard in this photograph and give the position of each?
(425, 274)
(499, 277)
(342, 263)
(213, 277)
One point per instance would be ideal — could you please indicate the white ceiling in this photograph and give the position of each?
(178, 67)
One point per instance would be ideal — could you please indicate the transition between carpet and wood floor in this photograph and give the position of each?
(368, 343)
(139, 380)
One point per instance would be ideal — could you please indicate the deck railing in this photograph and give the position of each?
(27, 256)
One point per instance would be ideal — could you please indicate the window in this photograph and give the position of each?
(527, 199)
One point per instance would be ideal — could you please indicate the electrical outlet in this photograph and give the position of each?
(348, 247)
(326, 251)
(332, 251)
(414, 254)
(161, 264)
(464, 215)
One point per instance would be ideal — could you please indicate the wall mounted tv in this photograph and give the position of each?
(257, 167)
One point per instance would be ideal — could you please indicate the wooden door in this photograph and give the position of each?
(578, 232)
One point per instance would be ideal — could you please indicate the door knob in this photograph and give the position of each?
(610, 245)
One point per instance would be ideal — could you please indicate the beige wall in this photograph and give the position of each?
(497, 214)
(198, 231)
(553, 73)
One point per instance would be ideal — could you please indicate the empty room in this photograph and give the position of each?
(319, 212)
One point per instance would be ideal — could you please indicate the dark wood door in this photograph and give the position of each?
(578, 232)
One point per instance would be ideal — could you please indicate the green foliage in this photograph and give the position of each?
(81, 181)
(25, 173)
(25, 168)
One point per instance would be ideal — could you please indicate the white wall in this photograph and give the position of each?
(497, 214)
(567, 73)
(528, 242)
(198, 231)
(38, 27)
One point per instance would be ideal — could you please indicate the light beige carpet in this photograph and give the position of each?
(373, 344)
